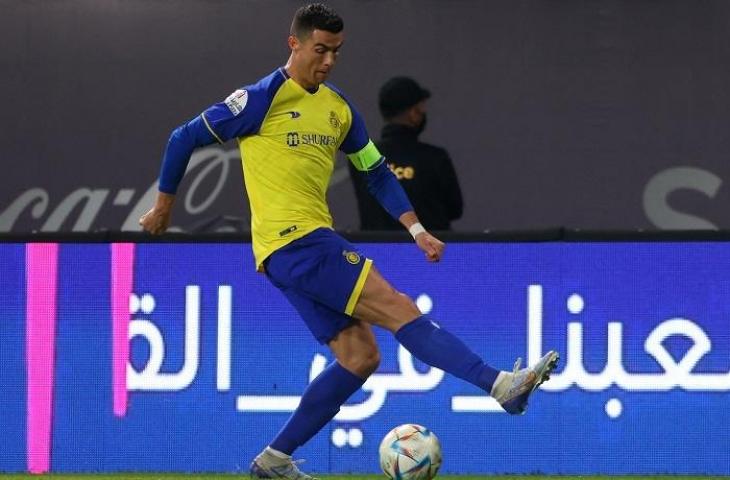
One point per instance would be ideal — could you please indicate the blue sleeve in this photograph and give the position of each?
(240, 114)
(183, 140)
(243, 111)
(383, 185)
(357, 137)
(366, 158)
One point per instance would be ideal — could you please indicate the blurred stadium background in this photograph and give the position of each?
(562, 117)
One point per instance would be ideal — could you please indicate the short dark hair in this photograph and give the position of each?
(315, 16)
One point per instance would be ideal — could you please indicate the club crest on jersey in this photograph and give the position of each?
(236, 101)
(334, 121)
(351, 257)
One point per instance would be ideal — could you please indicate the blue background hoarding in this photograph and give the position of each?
(217, 359)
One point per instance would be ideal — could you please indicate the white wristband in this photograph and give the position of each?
(415, 229)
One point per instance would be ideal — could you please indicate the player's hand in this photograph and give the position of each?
(155, 221)
(158, 218)
(431, 246)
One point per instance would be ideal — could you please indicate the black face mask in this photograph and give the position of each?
(421, 126)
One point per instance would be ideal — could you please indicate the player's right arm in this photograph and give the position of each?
(238, 115)
(181, 144)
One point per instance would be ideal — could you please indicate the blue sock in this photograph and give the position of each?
(437, 347)
(319, 404)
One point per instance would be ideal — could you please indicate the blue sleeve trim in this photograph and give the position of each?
(383, 185)
(180, 146)
(357, 137)
(210, 129)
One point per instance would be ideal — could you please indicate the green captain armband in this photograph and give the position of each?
(366, 158)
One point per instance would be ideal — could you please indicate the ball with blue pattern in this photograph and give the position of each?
(410, 452)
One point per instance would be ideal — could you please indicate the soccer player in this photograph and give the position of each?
(289, 126)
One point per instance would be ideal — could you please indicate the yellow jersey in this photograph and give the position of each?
(289, 137)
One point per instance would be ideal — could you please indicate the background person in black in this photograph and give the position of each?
(425, 171)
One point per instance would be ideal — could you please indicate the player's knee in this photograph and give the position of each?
(365, 362)
(371, 363)
(369, 360)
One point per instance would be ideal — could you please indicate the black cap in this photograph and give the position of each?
(399, 94)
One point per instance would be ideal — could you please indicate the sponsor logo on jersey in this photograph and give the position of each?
(294, 139)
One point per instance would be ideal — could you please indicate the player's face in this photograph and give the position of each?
(316, 55)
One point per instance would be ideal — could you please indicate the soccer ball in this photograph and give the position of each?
(410, 452)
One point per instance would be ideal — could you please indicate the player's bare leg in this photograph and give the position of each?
(356, 349)
(380, 304)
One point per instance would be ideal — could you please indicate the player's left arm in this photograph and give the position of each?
(384, 186)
